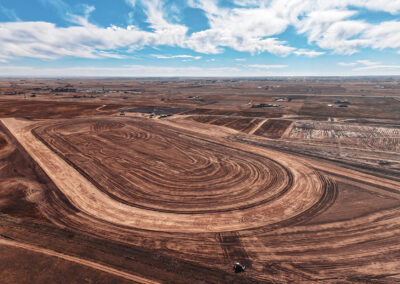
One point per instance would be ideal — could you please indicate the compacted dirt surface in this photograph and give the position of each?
(174, 181)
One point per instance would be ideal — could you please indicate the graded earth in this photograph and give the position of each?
(174, 181)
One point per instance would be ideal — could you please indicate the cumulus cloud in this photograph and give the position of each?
(85, 40)
(45, 40)
(383, 35)
(247, 29)
(166, 33)
(253, 26)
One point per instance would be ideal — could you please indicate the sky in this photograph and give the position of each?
(199, 38)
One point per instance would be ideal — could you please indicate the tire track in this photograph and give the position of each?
(88, 263)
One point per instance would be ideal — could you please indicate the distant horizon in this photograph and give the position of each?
(204, 77)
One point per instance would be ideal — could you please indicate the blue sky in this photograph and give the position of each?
(199, 37)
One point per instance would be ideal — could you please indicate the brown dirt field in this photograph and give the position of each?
(89, 196)
(23, 185)
(19, 204)
(128, 259)
(252, 245)
(203, 118)
(241, 124)
(30, 268)
(273, 128)
(47, 110)
(267, 113)
(363, 107)
(151, 182)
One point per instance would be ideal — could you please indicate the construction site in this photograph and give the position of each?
(200, 180)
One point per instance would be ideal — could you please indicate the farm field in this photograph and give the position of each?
(174, 181)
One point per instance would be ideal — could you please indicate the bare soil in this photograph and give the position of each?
(305, 192)
(273, 128)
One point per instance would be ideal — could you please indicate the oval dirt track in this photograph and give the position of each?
(149, 176)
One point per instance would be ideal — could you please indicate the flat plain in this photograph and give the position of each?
(175, 180)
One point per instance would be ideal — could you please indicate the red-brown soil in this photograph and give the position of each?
(301, 193)
(241, 124)
(158, 164)
(389, 108)
(273, 128)
(23, 185)
(249, 113)
(46, 109)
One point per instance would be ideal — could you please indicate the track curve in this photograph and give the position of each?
(163, 174)
(149, 176)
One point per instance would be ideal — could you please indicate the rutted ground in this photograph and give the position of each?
(227, 202)
(242, 217)
(306, 191)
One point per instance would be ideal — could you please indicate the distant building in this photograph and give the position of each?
(342, 102)
(283, 99)
(264, 105)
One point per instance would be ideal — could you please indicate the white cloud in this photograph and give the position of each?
(81, 19)
(247, 3)
(364, 62)
(347, 64)
(377, 67)
(45, 40)
(308, 53)
(176, 56)
(248, 29)
(329, 23)
(165, 32)
(85, 40)
(368, 65)
(261, 66)
(240, 59)
(384, 35)
(131, 3)
(253, 26)
(368, 62)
